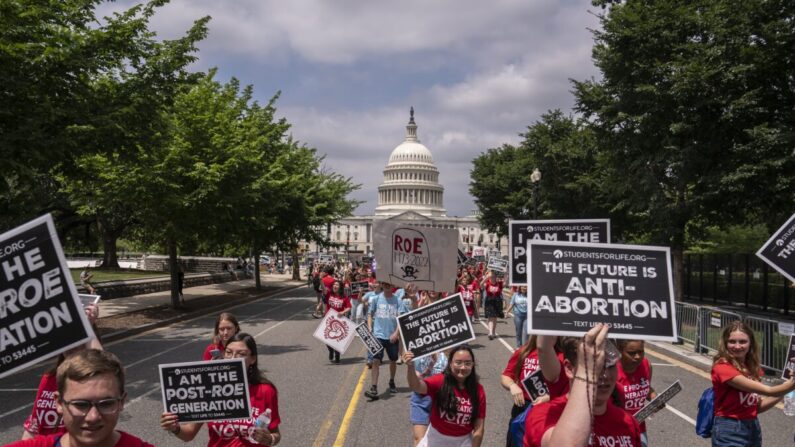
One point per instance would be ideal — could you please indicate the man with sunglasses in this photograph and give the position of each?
(90, 398)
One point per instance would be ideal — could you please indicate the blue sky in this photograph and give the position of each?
(477, 73)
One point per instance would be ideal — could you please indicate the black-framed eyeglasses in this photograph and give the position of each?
(79, 407)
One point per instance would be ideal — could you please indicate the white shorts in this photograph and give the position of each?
(433, 438)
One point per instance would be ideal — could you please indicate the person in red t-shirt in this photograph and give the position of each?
(90, 398)
(736, 381)
(226, 326)
(586, 415)
(240, 432)
(342, 304)
(493, 306)
(633, 385)
(467, 295)
(458, 408)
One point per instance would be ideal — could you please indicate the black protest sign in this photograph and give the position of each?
(40, 311)
(370, 342)
(359, 286)
(658, 402)
(520, 232)
(204, 391)
(789, 362)
(498, 265)
(462, 258)
(436, 327)
(534, 384)
(367, 260)
(779, 250)
(573, 286)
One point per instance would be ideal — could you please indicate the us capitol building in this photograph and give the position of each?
(410, 192)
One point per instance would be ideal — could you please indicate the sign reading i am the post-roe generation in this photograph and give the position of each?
(203, 391)
(779, 250)
(574, 286)
(436, 327)
(592, 231)
(40, 312)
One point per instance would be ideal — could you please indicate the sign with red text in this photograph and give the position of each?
(593, 231)
(779, 251)
(427, 257)
(206, 391)
(336, 331)
(574, 286)
(41, 315)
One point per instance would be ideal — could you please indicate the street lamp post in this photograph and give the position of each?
(535, 178)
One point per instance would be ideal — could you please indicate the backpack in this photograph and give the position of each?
(706, 413)
(516, 427)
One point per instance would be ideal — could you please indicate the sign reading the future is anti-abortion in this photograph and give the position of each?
(206, 391)
(594, 231)
(779, 250)
(40, 312)
(436, 327)
(574, 286)
(424, 256)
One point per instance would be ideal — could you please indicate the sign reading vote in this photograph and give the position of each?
(789, 363)
(779, 250)
(574, 286)
(658, 401)
(594, 231)
(206, 391)
(40, 312)
(436, 327)
(534, 384)
(420, 255)
(370, 342)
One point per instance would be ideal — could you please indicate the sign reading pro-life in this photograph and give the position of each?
(436, 327)
(206, 391)
(424, 256)
(40, 312)
(574, 286)
(779, 250)
(520, 232)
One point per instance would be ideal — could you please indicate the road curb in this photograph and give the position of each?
(118, 335)
(691, 359)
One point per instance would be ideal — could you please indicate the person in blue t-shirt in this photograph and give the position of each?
(382, 321)
(519, 307)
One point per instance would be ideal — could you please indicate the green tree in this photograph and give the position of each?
(694, 114)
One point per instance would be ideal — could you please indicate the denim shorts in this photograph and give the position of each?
(390, 348)
(420, 409)
(728, 432)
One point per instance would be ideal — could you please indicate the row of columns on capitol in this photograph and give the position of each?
(418, 196)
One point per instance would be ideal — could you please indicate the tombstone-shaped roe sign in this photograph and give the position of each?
(574, 286)
(424, 256)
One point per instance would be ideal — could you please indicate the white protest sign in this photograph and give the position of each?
(424, 256)
(574, 286)
(567, 230)
(206, 391)
(40, 311)
(336, 331)
(779, 250)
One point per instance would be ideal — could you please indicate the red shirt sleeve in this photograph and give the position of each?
(511, 366)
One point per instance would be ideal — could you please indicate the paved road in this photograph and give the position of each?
(321, 404)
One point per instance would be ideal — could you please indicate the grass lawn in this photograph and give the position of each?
(114, 275)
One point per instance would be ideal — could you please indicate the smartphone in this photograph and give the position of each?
(215, 354)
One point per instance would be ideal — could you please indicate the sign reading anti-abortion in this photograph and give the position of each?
(779, 250)
(574, 286)
(370, 342)
(206, 391)
(359, 286)
(336, 331)
(658, 402)
(436, 327)
(534, 384)
(498, 266)
(789, 362)
(595, 231)
(421, 255)
(40, 311)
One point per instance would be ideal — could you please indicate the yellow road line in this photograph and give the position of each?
(351, 410)
(322, 434)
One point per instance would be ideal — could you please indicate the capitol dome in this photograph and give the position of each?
(411, 179)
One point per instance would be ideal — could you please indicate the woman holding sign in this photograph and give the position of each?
(341, 304)
(633, 385)
(458, 400)
(262, 428)
(226, 326)
(492, 286)
(736, 381)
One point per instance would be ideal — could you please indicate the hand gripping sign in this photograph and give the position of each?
(336, 331)
(424, 256)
